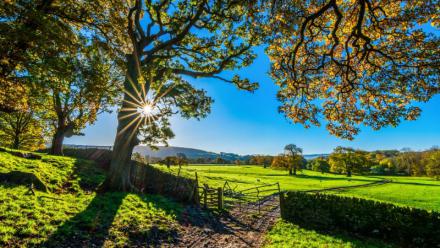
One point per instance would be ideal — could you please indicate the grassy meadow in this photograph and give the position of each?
(73, 210)
(419, 192)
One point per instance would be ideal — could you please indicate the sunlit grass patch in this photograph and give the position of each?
(287, 235)
(73, 214)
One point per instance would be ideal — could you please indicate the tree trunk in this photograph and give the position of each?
(57, 143)
(16, 143)
(127, 131)
(294, 170)
(290, 171)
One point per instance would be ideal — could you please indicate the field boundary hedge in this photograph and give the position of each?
(408, 227)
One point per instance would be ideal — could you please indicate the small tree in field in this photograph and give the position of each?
(181, 159)
(281, 161)
(342, 160)
(21, 130)
(320, 164)
(294, 152)
(433, 165)
(25, 128)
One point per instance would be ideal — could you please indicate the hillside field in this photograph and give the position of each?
(72, 213)
(419, 192)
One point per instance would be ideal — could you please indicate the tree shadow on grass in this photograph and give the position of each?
(160, 230)
(90, 227)
(416, 184)
(324, 178)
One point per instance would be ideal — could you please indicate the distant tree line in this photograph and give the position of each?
(343, 160)
(386, 162)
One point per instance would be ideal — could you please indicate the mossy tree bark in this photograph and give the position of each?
(57, 143)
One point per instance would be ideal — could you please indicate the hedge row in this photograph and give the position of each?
(405, 226)
(102, 157)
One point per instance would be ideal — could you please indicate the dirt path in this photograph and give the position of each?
(237, 228)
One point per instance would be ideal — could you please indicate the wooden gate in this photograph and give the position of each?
(211, 197)
(255, 200)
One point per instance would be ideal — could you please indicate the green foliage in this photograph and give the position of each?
(265, 160)
(433, 165)
(21, 130)
(78, 85)
(40, 29)
(405, 226)
(294, 162)
(347, 160)
(320, 164)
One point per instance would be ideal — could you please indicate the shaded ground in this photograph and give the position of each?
(234, 229)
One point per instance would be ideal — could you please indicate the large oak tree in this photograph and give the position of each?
(171, 39)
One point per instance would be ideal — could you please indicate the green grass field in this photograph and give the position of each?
(248, 176)
(420, 192)
(73, 211)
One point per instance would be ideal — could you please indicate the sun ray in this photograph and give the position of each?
(134, 132)
(135, 87)
(133, 103)
(157, 98)
(144, 92)
(128, 109)
(139, 101)
(128, 115)
(130, 123)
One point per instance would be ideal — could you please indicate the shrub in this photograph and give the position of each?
(405, 226)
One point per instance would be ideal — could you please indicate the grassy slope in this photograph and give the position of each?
(73, 212)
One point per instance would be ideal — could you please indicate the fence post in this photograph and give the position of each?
(196, 191)
(220, 198)
(259, 201)
(282, 204)
(205, 197)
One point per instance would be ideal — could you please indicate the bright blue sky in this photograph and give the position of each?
(247, 123)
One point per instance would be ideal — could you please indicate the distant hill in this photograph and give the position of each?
(172, 151)
(198, 153)
(313, 156)
(191, 153)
